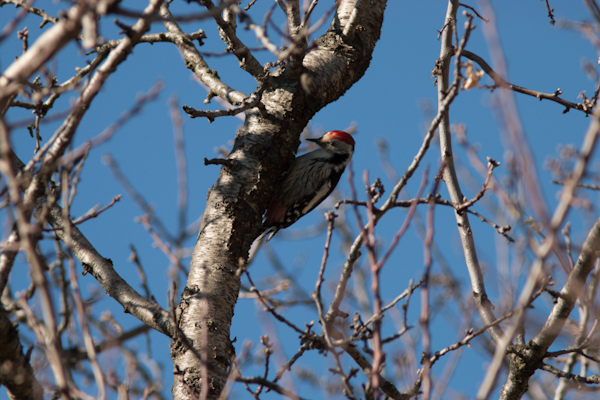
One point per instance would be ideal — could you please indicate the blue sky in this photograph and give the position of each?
(386, 104)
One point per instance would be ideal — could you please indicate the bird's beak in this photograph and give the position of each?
(317, 141)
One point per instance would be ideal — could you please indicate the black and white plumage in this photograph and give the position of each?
(310, 180)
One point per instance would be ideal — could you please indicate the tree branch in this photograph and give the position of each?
(101, 268)
(246, 60)
(240, 195)
(19, 378)
(571, 291)
(250, 102)
(484, 306)
(501, 83)
(45, 47)
(195, 62)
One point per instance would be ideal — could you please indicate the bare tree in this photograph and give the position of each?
(299, 80)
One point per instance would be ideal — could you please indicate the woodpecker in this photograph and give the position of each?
(310, 179)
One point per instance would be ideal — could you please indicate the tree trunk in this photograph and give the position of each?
(263, 147)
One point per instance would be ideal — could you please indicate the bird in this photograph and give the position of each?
(310, 179)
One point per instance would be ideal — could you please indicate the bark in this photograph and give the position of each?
(264, 146)
(15, 371)
(526, 359)
(484, 306)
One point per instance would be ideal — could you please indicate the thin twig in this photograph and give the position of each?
(491, 165)
(475, 11)
(501, 83)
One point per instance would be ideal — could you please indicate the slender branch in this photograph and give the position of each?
(45, 47)
(475, 11)
(386, 386)
(163, 37)
(90, 349)
(579, 170)
(271, 385)
(308, 13)
(247, 61)
(484, 306)
(500, 82)
(406, 293)
(593, 379)
(28, 8)
(550, 11)
(95, 212)
(181, 163)
(195, 62)
(191, 17)
(491, 165)
(269, 308)
(354, 252)
(579, 185)
(316, 295)
(260, 31)
(298, 39)
(76, 354)
(288, 365)
(572, 289)
(408, 203)
(137, 198)
(158, 242)
(101, 268)
(108, 133)
(248, 103)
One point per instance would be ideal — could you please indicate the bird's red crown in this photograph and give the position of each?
(339, 135)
